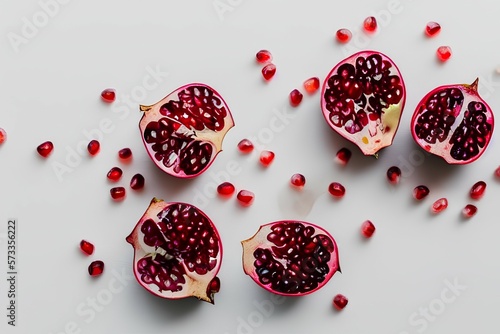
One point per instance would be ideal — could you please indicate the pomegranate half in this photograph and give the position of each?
(183, 132)
(177, 251)
(290, 258)
(363, 98)
(453, 122)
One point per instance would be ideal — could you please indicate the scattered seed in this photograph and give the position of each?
(311, 85)
(336, 190)
(86, 247)
(93, 147)
(477, 190)
(443, 53)
(439, 205)
(497, 172)
(343, 156)
(370, 24)
(295, 97)
(266, 158)
(225, 189)
(3, 136)
(469, 210)
(298, 180)
(268, 71)
(96, 268)
(432, 28)
(44, 149)
(340, 301)
(367, 229)
(420, 192)
(245, 146)
(125, 153)
(343, 35)
(137, 182)
(108, 95)
(394, 174)
(245, 197)
(117, 193)
(115, 174)
(263, 56)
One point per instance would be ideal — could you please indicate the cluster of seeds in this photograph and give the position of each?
(95, 267)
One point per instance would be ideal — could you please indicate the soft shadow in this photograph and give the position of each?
(282, 304)
(173, 185)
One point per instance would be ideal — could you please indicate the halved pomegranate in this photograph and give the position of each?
(183, 132)
(363, 98)
(177, 251)
(290, 258)
(453, 122)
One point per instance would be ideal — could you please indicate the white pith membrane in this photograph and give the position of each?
(206, 135)
(376, 134)
(195, 285)
(259, 240)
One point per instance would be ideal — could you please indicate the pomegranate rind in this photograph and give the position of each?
(214, 138)
(196, 285)
(259, 240)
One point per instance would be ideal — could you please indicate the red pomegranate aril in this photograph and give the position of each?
(394, 174)
(432, 28)
(108, 95)
(3, 136)
(115, 174)
(245, 146)
(497, 172)
(311, 85)
(44, 149)
(295, 97)
(245, 197)
(268, 71)
(420, 192)
(367, 229)
(343, 156)
(336, 190)
(469, 210)
(263, 56)
(86, 247)
(96, 268)
(93, 147)
(214, 285)
(298, 180)
(125, 153)
(225, 189)
(370, 24)
(477, 190)
(117, 193)
(266, 158)
(343, 35)
(439, 205)
(340, 302)
(443, 53)
(137, 182)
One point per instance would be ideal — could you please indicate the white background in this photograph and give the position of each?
(50, 91)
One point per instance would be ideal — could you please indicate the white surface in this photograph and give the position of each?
(50, 91)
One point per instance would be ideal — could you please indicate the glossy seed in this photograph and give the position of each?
(367, 229)
(263, 56)
(420, 192)
(225, 189)
(439, 205)
(477, 190)
(108, 95)
(343, 156)
(266, 158)
(86, 247)
(268, 71)
(295, 97)
(96, 268)
(394, 174)
(311, 85)
(137, 182)
(117, 193)
(245, 146)
(245, 197)
(343, 35)
(469, 210)
(93, 147)
(336, 189)
(298, 180)
(44, 149)
(443, 53)
(340, 301)
(432, 28)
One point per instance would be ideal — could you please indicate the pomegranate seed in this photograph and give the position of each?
(108, 95)
(117, 193)
(336, 190)
(432, 28)
(245, 146)
(214, 285)
(420, 192)
(266, 158)
(469, 210)
(343, 35)
(263, 56)
(340, 301)
(439, 205)
(295, 97)
(370, 24)
(343, 156)
(268, 71)
(3, 136)
(225, 189)
(115, 174)
(443, 53)
(394, 174)
(245, 197)
(137, 182)
(125, 153)
(497, 172)
(86, 247)
(477, 190)
(45, 149)
(298, 180)
(96, 268)
(93, 147)
(311, 85)
(367, 229)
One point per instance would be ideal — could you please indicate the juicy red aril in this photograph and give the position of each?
(137, 182)
(86, 247)
(343, 35)
(214, 285)
(108, 95)
(420, 192)
(336, 189)
(497, 172)
(93, 147)
(443, 53)
(298, 180)
(295, 97)
(311, 85)
(268, 71)
(370, 24)
(225, 189)
(115, 174)
(439, 205)
(367, 229)
(343, 156)
(3, 136)
(125, 153)
(117, 193)
(477, 190)
(45, 148)
(245, 197)
(245, 146)
(96, 268)
(394, 174)
(340, 301)
(469, 210)
(263, 56)
(266, 158)
(432, 28)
